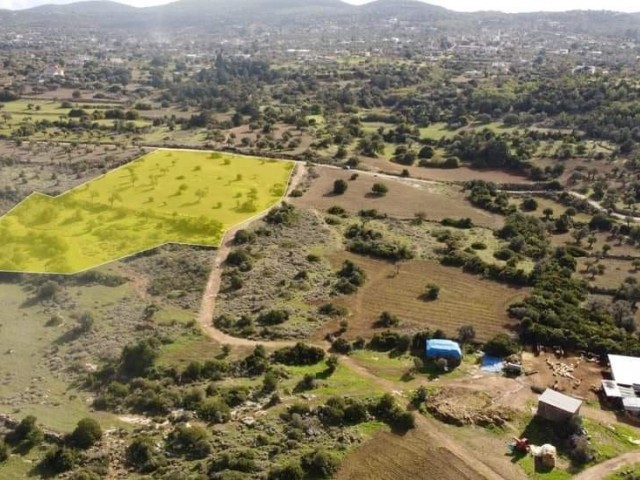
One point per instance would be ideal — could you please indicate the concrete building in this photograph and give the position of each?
(557, 407)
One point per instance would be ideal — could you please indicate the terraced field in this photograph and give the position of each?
(464, 299)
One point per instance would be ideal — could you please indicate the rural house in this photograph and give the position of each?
(557, 407)
(437, 348)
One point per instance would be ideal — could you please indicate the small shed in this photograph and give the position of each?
(437, 348)
(557, 407)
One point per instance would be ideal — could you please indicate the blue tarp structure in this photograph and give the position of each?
(443, 348)
(492, 364)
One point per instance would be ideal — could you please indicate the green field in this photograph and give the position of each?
(168, 196)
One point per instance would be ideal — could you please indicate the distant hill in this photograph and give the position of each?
(213, 14)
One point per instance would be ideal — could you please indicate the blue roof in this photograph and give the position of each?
(443, 348)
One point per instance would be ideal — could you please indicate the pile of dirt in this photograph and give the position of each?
(460, 407)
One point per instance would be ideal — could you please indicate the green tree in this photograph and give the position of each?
(86, 434)
(340, 186)
(379, 189)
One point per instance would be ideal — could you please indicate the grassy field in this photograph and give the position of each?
(464, 299)
(163, 197)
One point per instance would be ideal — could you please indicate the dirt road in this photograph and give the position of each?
(600, 471)
(207, 307)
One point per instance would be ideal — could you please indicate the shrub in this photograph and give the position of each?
(243, 237)
(463, 223)
(300, 354)
(336, 210)
(340, 186)
(387, 320)
(48, 290)
(191, 441)
(478, 246)
(290, 471)
(273, 317)
(333, 310)
(320, 464)
(342, 346)
(379, 189)
(214, 410)
(59, 459)
(283, 215)
(384, 341)
(529, 205)
(350, 278)
(27, 434)
(86, 434)
(141, 455)
(432, 292)
(240, 258)
(137, 359)
(501, 346)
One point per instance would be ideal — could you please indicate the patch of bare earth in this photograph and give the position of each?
(404, 199)
(464, 299)
(462, 174)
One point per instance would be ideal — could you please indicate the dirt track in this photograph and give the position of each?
(207, 307)
(429, 449)
(601, 470)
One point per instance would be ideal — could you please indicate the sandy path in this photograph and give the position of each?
(207, 307)
(600, 471)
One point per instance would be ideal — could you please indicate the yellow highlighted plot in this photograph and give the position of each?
(168, 196)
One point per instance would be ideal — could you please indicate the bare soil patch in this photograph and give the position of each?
(464, 299)
(404, 199)
(549, 370)
(413, 455)
(462, 174)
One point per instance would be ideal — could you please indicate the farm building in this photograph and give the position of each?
(449, 349)
(624, 388)
(557, 407)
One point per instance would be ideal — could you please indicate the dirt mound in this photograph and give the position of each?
(459, 407)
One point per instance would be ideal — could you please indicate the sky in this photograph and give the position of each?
(460, 5)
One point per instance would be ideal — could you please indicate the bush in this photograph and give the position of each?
(384, 341)
(333, 310)
(387, 320)
(240, 258)
(290, 471)
(350, 277)
(529, 205)
(27, 434)
(191, 441)
(283, 215)
(273, 317)
(340, 186)
(336, 210)
(379, 189)
(432, 292)
(243, 237)
(136, 360)
(463, 223)
(320, 464)
(59, 459)
(300, 354)
(478, 246)
(214, 410)
(141, 455)
(501, 346)
(86, 434)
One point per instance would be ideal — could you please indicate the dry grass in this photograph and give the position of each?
(462, 174)
(404, 199)
(615, 272)
(464, 299)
